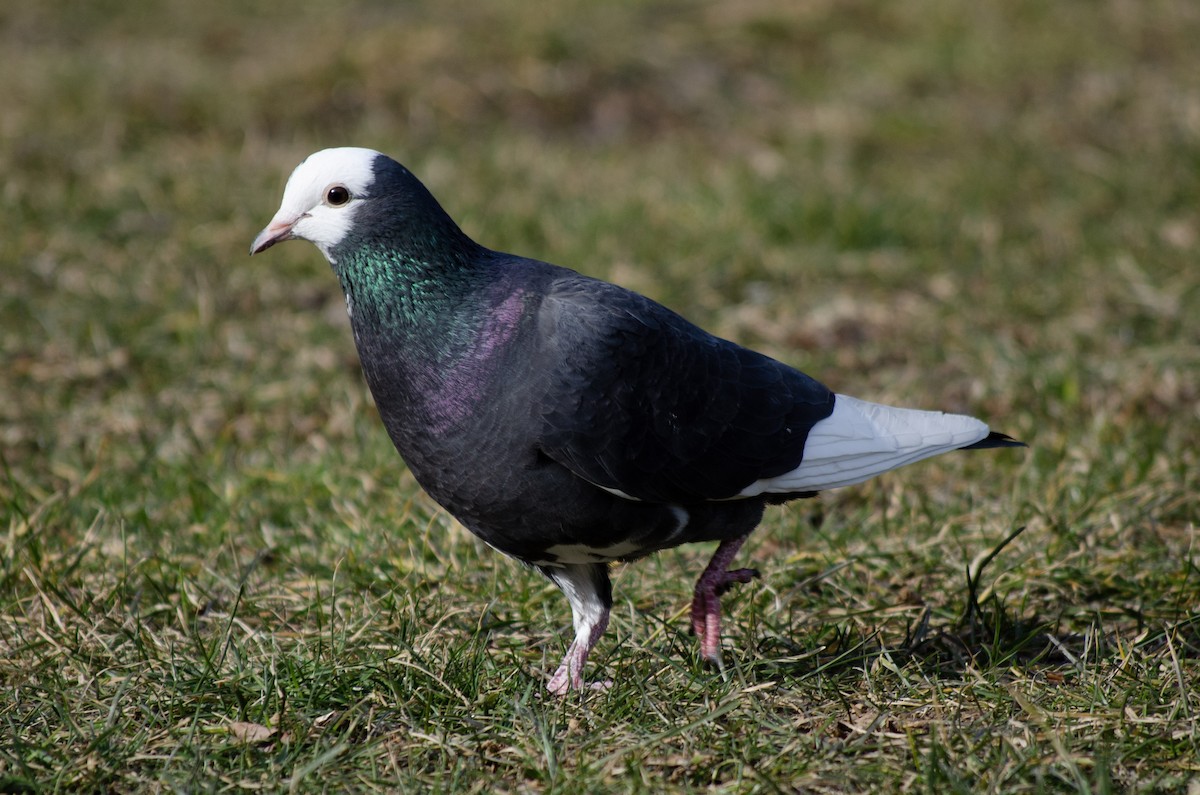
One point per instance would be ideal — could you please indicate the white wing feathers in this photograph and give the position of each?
(860, 440)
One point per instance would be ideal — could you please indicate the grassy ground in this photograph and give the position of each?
(215, 573)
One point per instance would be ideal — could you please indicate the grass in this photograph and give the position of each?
(216, 575)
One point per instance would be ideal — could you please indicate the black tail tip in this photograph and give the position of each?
(994, 439)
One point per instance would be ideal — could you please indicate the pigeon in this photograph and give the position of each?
(566, 421)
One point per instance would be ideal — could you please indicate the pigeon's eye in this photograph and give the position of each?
(337, 195)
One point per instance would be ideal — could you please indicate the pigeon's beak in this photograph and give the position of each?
(278, 230)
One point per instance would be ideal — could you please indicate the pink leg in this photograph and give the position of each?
(706, 604)
(569, 675)
(588, 590)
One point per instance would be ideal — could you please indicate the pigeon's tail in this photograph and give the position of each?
(860, 440)
(994, 439)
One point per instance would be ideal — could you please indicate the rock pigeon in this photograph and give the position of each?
(569, 422)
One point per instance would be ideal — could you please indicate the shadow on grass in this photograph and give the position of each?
(986, 636)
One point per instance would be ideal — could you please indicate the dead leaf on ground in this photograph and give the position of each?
(250, 732)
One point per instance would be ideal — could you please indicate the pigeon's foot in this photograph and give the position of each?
(706, 604)
(569, 675)
(588, 590)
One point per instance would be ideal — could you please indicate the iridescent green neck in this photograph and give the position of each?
(416, 300)
(410, 275)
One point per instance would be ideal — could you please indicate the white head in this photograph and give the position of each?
(320, 197)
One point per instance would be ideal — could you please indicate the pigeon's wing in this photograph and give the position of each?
(639, 401)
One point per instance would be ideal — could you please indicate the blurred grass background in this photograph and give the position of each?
(217, 575)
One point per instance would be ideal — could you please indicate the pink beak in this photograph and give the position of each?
(276, 231)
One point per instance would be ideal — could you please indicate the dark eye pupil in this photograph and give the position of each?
(337, 195)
